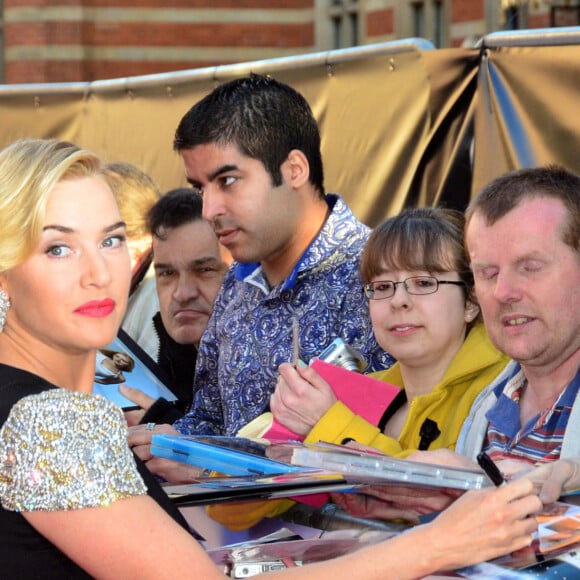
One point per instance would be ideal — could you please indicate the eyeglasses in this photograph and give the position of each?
(418, 285)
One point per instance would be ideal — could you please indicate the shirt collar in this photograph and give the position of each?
(516, 379)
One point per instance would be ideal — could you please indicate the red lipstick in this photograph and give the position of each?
(96, 308)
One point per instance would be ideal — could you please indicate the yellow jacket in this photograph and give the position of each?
(474, 367)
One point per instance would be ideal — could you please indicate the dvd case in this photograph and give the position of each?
(360, 467)
(293, 484)
(227, 455)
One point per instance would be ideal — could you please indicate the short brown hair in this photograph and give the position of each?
(504, 193)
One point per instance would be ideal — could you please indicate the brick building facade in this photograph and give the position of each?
(85, 40)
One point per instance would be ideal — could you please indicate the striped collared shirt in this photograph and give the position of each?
(540, 440)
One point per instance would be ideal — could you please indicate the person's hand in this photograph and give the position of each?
(512, 468)
(301, 397)
(509, 468)
(443, 457)
(553, 479)
(139, 438)
(138, 397)
(365, 506)
(383, 502)
(175, 471)
(484, 524)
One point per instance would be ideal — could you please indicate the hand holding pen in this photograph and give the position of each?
(490, 468)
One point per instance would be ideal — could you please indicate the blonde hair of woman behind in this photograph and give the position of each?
(136, 193)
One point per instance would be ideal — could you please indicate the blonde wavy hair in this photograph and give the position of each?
(29, 171)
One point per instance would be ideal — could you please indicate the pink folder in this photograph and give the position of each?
(362, 394)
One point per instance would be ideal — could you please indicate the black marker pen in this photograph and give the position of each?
(490, 468)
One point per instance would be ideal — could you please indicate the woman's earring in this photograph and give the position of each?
(4, 306)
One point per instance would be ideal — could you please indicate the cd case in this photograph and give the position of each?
(252, 558)
(360, 467)
(124, 362)
(227, 455)
(293, 484)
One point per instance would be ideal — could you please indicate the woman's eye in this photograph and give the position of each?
(114, 242)
(58, 251)
(383, 286)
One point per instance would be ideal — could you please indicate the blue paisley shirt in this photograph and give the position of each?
(250, 332)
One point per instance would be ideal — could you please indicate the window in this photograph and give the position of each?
(515, 14)
(345, 19)
(438, 23)
(418, 9)
(564, 15)
(512, 18)
(428, 20)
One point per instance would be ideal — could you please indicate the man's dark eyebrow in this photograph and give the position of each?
(67, 230)
(191, 264)
(213, 175)
(222, 169)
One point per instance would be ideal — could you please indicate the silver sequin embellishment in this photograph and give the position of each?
(64, 450)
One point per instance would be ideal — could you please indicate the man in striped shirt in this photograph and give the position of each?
(523, 238)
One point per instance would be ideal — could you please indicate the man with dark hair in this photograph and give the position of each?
(189, 266)
(252, 149)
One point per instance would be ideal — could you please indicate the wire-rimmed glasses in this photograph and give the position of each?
(417, 285)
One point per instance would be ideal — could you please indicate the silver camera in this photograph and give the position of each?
(249, 569)
(343, 355)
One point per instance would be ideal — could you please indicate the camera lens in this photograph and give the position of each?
(347, 362)
(343, 355)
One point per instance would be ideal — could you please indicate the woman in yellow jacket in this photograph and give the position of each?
(420, 289)
(432, 419)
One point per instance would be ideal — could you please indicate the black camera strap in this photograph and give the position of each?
(429, 430)
(399, 400)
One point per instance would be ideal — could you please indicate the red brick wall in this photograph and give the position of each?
(35, 49)
(467, 11)
(44, 50)
(160, 34)
(380, 22)
(540, 20)
(232, 4)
